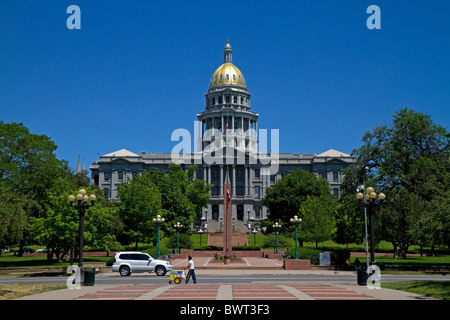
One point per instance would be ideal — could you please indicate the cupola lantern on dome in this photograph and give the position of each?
(228, 110)
(227, 74)
(227, 53)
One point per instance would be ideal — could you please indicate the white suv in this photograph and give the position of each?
(128, 262)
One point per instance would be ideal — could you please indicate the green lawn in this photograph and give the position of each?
(443, 260)
(435, 289)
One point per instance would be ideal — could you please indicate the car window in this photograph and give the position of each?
(143, 257)
(124, 256)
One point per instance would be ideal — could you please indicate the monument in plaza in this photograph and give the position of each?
(227, 227)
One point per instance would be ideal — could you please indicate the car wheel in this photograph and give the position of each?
(124, 271)
(160, 270)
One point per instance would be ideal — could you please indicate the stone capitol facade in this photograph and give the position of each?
(227, 140)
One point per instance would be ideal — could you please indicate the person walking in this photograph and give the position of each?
(191, 271)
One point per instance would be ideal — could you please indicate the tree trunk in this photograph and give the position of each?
(21, 245)
(394, 244)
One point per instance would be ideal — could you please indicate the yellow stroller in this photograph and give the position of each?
(176, 276)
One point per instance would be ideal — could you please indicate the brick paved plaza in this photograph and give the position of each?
(226, 292)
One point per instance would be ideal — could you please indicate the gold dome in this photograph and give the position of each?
(227, 74)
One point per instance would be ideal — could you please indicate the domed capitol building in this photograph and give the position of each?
(227, 144)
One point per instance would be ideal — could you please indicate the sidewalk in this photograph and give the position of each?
(275, 290)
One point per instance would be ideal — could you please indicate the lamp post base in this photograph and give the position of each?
(227, 260)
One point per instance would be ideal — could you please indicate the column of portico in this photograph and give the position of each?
(251, 190)
(263, 178)
(209, 177)
(234, 180)
(221, 179)
(246, 181)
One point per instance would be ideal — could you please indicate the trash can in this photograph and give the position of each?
(362, 276)
(89, 276)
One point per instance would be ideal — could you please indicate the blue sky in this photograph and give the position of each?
(137, 70)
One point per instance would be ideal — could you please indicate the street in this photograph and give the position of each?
(110, 278)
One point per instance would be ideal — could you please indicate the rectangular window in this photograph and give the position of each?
(106, 193)
(106, 176)
(257, 192)
(336, 192)
(257, 173)
(120, 174)
(335, 175)
(258, 211)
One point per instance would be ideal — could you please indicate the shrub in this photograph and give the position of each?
(185, 242)
(339, 256)
(270, 241)
(249, 248)
(309, 254)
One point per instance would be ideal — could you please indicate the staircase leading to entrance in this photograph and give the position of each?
(237, 239)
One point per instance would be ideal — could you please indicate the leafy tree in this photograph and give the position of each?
(408, 161)
(58, 228)
(318, 215)
(182, 196)
(140, 202)
(286, 196)
(30, 170)
(349, 213)
(13, 217)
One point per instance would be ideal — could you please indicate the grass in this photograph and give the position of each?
(435, 289)
(10, 291)
(440, 260)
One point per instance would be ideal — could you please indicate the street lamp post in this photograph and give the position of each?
(296, 221)
(371, 201)
(81, 206)
(251, 226)
(203, 225)
(159, 221)
(277, 227)
(178, 226)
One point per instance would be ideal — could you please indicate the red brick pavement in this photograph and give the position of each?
(260, 292)
(322, 292)
(210, 292)
(188, 292)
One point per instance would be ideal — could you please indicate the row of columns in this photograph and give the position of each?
(252, 124)
(248, 185)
